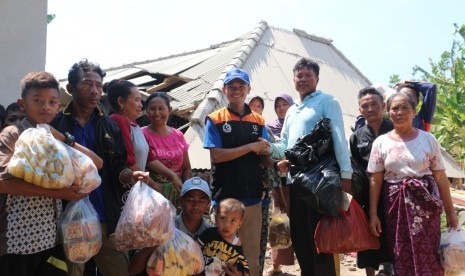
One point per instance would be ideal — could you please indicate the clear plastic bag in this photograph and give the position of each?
(80, 231)
(147, 219)
(85, 172)
(279, 231)
(179, 256)
(452, 248)
(42, 160)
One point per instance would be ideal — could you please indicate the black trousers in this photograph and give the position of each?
(303, 221)
(50, 262)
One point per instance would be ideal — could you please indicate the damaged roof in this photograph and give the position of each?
(194, 79)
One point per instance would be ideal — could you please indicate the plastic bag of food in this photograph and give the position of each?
(42, 160)
(85, 172)
(147, 219)
(452, 248)
(350, 233)
(279, 231)
(179, 256)
(80, 231)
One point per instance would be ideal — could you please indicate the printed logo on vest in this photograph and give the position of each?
(255, 130)
(226, 128)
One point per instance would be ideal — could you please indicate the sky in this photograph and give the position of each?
(380, 37)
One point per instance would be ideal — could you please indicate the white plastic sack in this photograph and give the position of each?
(452, 248)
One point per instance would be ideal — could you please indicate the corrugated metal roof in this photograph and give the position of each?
(269, 55)
(178, 64)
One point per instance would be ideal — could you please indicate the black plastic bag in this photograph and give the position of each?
(313, 166)
(311, 147)
(323, 181)
(360, 184)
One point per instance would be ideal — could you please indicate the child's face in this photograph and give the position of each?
(40, 105)
(228, 222)
(194, 203)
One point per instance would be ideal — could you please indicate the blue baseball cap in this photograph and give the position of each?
(196, 183)
(237, 73)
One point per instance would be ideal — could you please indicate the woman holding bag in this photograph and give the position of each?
(414, 193)
(126, 104)
(167, 144)
(280, 256)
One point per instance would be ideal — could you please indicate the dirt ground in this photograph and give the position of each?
(348, 267)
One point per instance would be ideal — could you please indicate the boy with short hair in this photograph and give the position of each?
(29, 213)
(195, 201)
(221, 247)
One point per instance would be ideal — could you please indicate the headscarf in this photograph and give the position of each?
(277, 125)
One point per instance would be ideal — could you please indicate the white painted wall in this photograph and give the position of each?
(23, 37)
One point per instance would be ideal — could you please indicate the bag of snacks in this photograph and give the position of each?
(452, 248)
(147, 219)
(279, 231)
(80, 230)
(179, 256)
(42, 160)
(85, 172)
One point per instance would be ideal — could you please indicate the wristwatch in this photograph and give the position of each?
(69, 139)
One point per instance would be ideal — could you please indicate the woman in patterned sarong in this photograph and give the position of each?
(415, 191)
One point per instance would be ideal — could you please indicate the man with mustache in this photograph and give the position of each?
(84, 121)
(300, 120)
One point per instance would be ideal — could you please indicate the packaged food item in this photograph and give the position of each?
(42, 160)
(452, 248)
(80, 231)
(85, 172)
(147, 219)
(279, 231)
(181, 255)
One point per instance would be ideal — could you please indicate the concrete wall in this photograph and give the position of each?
(23, 37)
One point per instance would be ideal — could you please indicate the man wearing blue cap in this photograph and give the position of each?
(232, 136)
(195, 201)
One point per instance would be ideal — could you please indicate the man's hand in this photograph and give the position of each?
(283, 166)
(346, 185)
(260, 147)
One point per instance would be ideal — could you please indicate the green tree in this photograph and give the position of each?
(50, 18)
(449, 76)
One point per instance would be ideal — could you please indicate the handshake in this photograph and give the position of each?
(261, 147)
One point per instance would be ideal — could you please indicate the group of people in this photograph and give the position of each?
(408, 186)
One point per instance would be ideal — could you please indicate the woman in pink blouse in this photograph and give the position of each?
(125, 101)
(406, 168)
(167, 144)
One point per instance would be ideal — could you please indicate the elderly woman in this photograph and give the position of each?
(126, 105)
(415, 191)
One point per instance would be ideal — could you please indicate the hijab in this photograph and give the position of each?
(277, 125)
